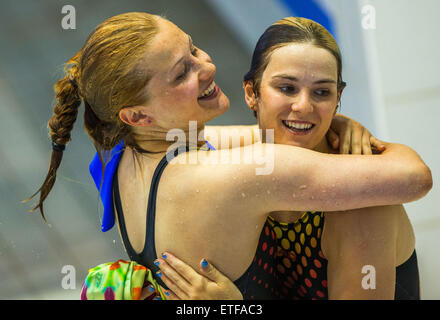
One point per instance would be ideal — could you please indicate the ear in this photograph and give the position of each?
(249, 95)
(339, 99)
(135, 116)
(340, 94)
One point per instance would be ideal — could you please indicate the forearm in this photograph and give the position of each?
(412, 166)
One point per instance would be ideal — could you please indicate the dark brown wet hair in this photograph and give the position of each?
(287, 31)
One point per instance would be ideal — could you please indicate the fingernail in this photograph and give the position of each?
(164, 255)
(204, 263)
(156, 262)
(159, 274)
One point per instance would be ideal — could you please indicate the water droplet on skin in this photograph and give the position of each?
(293, 195)
(303, 186)
(268, 191)
(216, 207)
(234, 178)
(243, 195)
(197, 190)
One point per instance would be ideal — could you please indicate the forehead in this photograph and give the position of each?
(166, 47)
(306, 59)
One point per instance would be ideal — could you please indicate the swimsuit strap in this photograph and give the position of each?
(148, 254)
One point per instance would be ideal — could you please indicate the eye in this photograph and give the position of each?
(182, 75)
(322, 92)
(194, 51)
(287, 89)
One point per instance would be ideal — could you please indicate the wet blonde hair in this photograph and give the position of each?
(107, 74)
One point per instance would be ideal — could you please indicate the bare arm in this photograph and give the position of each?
(326, 182)
(362, 250)
(301, 179)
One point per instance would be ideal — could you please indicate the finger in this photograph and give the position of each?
(366, 145)
(356, 139)
(377, 143)
(178, 283)
(332, 138)
(208, 270)
(177, 291)
(181, 268)
(344, 141)
(169, 295)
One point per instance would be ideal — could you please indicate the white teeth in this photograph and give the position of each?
(299, 126)
(208, 91)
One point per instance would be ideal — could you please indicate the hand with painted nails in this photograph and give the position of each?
(185, 283)
(351, 137)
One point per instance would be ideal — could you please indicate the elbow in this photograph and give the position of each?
(427, 179)
(423, 183)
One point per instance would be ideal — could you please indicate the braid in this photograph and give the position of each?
(60, 126)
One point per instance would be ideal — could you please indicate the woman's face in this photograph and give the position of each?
(182, 86)
(298, 95)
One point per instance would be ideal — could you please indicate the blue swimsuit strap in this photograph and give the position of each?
(95, 168)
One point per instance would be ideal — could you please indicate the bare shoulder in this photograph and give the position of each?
(222, 177)
(369, 230)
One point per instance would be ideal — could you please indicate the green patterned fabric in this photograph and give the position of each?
(120, 280)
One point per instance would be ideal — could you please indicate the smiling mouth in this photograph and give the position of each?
(298, 127)
(209, 91)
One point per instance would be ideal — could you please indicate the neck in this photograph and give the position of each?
(156, 141)
(324, 147)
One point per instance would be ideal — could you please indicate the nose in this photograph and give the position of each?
(206, 68)
(207, 71)
(303, 103)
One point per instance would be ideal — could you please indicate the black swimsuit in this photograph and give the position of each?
(249, 289)
(288, 263)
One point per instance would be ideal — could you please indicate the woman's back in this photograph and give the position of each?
(204, 226)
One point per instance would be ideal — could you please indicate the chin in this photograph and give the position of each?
(223, 105)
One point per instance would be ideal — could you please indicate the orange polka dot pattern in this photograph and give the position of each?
(289, 263)
(299, 257)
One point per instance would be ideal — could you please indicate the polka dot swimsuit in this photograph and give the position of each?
(289, 263)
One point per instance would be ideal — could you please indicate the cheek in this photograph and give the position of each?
(273, 103)
(181, 95)
(326, 111)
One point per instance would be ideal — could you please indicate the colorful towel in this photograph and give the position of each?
(120, 280)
